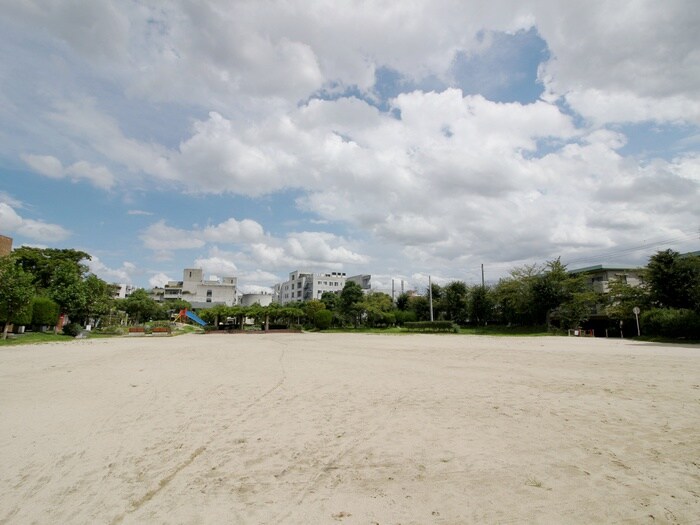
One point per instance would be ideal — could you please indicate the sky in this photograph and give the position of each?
(400, 139)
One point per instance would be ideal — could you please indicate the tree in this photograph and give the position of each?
(331, 300)
(16, 291)
(323, 319)
(479, 305)
(513, 296)
(674, 280)
(311, 308)
(402, 302)
(579, 306)
(622, 297)
(376, 309)
(140, 306)
(350, 299)
(215, 315)
(98, 299)
(42, 262)
(45, 312)
(549, 290)
(420, 306)
(454, 302)
(66, 287)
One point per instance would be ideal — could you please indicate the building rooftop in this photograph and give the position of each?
(604, 267)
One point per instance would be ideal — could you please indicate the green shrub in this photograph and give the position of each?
(323, 319)
(72, 329)
(45, 312)
(671, 322)
(404, 316)
(430, 326)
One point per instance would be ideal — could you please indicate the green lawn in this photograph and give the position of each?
(534, 331)
(31, 338)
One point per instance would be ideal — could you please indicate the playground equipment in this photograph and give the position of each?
(187, 314)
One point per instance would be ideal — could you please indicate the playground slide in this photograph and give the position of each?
(195, 317)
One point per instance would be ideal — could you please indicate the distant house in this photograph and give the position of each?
(199, 292)
(599, 276)
(122, 291)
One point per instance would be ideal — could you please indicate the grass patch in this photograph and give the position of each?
(666, 340)
(520, 331)
(364, 330)
(31, 338)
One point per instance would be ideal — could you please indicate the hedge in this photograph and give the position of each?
(430, 326)
(671, 322)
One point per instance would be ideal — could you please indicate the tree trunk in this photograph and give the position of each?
(4, 330)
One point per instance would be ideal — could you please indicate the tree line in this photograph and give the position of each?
(37, 285)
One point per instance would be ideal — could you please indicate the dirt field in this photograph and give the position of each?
(352, 429)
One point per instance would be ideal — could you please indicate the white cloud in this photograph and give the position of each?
(159, 280)
(318, 248)
(233, 231)
(12, 222)
(45, 165)
(123, 274)
(217, 266)
(160, 236)
(255, 288)
(624, 63)
(51, 167)
(441, 180)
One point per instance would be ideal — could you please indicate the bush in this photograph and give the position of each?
(44, 312)
(431, 326)
(323, 319)
(72, 329)
(671, 322)
(404, 316)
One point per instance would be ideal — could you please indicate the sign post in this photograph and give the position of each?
(636, 310)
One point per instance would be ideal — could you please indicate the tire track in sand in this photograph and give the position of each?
(165, 481)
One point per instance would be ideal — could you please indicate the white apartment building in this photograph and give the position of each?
(305, 286)
(196, 290)
(122, 290)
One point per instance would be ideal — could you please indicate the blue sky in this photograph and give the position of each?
(254, 139)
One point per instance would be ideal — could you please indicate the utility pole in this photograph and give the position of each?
(392, 290)
(430, 294)
(482, 276)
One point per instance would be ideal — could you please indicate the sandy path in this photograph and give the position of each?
(321, 428)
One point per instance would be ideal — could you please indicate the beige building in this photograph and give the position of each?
(599, 276)
(5, 245)
(200, 292)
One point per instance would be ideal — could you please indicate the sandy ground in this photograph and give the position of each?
(366, 429)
